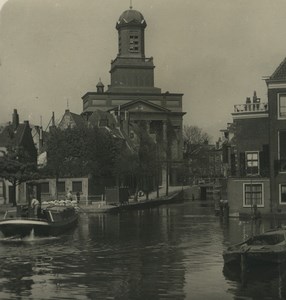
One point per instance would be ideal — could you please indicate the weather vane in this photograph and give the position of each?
(130, 4)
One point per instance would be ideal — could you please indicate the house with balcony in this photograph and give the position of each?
(247, 153)
(256, 151)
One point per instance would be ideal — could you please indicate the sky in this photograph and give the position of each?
(215, 52)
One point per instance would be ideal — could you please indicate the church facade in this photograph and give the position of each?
(132, 95)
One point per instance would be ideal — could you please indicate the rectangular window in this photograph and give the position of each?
(77, 186)
(61, 187)
(45, 188)
(253, 195)
(252, 163)
(282, 107)
(282, 194)
(134, 42)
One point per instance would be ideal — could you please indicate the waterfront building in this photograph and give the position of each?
(257, 151)
(249, 182)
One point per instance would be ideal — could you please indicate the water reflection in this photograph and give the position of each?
(256, 282)
(261, 282)
(172, 252)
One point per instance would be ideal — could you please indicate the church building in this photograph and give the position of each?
(132, 95)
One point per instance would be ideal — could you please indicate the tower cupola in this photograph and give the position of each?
(131, 71)
(129, 17)
(100, 87)
(131, 25)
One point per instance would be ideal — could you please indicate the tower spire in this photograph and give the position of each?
(130, 4)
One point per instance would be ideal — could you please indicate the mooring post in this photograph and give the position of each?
(243, 262)
(243, 266)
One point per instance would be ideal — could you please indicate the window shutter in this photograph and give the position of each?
(242, 164)
(264, 161)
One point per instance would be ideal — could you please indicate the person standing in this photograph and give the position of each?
(69, 195)
(78, 197)
(35, 205)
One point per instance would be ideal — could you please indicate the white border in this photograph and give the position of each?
(278, 106)
(258, 163)
(280, 185)
(262, 193)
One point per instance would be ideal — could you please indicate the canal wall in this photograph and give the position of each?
(175, 195)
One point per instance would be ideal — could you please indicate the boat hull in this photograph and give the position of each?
(37, 227)
(269, 247)
(255, 257)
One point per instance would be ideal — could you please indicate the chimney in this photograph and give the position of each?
(254, 97)
(15, 120)
(41, 143)
(53, 119)
(53, 125)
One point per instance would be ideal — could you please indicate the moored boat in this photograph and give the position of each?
(268, 247)
(51, 220)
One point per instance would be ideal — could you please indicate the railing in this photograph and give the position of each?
(91, 199)
(251, 107)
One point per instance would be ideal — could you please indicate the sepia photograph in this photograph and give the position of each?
(142, 149)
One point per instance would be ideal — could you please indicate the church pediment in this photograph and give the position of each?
(141, 106)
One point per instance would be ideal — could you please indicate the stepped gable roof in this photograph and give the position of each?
(9, 136)
(280, 72)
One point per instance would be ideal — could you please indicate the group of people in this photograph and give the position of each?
(36, 206)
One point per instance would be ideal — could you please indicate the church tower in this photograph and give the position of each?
(131, 95)
(131, 71)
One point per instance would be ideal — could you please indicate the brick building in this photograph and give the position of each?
(257, 151)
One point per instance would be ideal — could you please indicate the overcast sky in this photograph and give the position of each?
(215, 52)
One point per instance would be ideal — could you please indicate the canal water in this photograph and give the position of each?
(169, 252)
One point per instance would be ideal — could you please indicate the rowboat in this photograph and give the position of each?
(51, 220)
(268, 247)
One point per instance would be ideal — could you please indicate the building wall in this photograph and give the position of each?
(251, 134)
(235, 192)
(276, 125)
(105, 101)
(51, 194)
